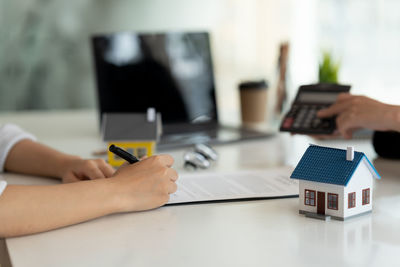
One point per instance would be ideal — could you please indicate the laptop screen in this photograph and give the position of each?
(170, 71)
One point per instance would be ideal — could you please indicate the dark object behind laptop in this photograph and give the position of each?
(387, 144)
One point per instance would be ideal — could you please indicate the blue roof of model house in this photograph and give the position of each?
(329, 165)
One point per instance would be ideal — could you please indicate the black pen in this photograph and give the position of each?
(123, 154)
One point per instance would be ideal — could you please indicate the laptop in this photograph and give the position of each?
(171, 72)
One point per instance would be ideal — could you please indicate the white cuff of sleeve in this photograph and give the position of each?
(10, 135)
(3, 185)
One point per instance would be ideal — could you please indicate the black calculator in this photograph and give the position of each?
(302, 116)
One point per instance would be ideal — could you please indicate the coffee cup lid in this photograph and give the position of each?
(262, 84)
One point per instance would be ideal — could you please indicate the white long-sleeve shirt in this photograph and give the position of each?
(10, 134)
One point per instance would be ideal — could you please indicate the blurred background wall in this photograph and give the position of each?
(363, 35)
(45, 57)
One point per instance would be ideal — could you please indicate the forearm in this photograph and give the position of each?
(32, 209)
(33, 158)
(393, 115)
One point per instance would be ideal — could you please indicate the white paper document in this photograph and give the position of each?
(207, 186)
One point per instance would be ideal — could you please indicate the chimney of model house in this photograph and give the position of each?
(350, 153)
(151, 114)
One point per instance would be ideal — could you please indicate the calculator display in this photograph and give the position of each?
(317, 97)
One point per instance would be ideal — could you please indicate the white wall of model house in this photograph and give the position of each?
(362, 179)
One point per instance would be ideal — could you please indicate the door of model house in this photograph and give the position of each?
(321, 203)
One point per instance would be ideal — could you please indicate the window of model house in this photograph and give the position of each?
(352, 200)
(365, 196)
(333, 201)
(309, 197)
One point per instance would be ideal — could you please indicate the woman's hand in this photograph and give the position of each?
(354, 112)
(77, 169)
(144, 185)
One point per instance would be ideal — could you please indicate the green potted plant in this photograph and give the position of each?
(328, 69)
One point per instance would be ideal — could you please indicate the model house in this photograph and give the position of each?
(334, 183)
(137, 133)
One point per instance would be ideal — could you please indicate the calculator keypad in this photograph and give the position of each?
(303, 118)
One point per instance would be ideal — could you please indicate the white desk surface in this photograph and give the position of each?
(252, 233)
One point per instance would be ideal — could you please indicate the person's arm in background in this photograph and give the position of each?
(354, 112)
(20, 153)
(32, 209)
(30, 157)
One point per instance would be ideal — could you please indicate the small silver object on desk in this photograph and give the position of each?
(201, 157)
(206, 151)
(194, 160)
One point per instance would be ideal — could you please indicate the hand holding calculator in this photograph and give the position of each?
(302, 116)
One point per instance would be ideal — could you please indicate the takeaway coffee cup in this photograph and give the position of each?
(253, 102)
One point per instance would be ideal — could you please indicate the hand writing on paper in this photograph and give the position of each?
(146, 184)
